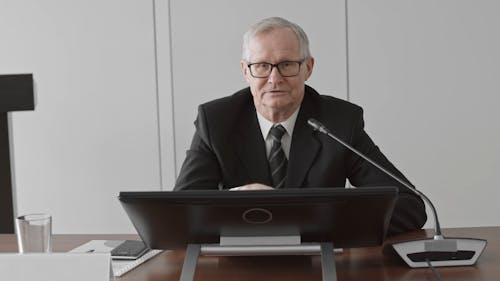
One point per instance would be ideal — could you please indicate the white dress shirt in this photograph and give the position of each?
(286, 140)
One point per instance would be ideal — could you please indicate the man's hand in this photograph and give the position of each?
(252, 186)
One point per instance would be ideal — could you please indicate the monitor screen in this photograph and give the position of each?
(348, 217)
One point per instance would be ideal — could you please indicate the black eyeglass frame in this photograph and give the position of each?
(277, 67)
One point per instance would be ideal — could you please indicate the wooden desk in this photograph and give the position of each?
(353, 264)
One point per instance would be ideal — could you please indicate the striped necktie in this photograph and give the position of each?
(277, 158)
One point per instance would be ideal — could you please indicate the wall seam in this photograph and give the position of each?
(348, 82)
(172, 86)
(158, 119)
(348, 89)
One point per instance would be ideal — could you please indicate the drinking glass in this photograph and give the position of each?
(34, 233)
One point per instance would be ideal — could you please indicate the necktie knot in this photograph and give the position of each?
(277, 132)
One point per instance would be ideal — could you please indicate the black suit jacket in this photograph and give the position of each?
(228, 151)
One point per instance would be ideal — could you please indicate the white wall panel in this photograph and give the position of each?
(426, 73)
(94, 131)
(206, 50)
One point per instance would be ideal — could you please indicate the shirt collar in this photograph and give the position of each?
(289, 124)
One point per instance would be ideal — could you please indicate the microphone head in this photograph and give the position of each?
(317, 126)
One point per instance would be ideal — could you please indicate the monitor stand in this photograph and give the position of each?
(259, 246)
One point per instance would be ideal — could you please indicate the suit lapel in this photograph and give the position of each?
(304, 147)
(251, 148)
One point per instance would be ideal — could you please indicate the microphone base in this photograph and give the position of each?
(440, 252)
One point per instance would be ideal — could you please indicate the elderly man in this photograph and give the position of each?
(258, 138)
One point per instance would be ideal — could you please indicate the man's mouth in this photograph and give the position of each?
(276, 92)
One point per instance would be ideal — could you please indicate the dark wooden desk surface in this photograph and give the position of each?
(353, 264)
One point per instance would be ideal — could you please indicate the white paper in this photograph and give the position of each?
(120, 267)
(55, 267)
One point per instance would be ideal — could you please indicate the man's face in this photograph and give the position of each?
(277, 94)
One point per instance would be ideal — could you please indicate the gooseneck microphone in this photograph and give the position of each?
(322, 129)
(418, 253)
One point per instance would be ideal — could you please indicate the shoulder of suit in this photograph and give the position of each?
(241, 98)
(331, 101)
(224, 114)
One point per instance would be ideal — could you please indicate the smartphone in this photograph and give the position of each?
(129, 250)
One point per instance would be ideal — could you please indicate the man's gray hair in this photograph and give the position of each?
(269, 24)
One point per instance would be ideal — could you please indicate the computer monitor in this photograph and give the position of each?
(348, 217)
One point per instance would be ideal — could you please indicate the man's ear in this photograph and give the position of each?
(244, 69)
(309, 67)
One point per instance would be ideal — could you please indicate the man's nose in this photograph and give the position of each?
(275, 76)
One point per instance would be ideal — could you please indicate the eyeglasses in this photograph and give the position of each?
(285, 68)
